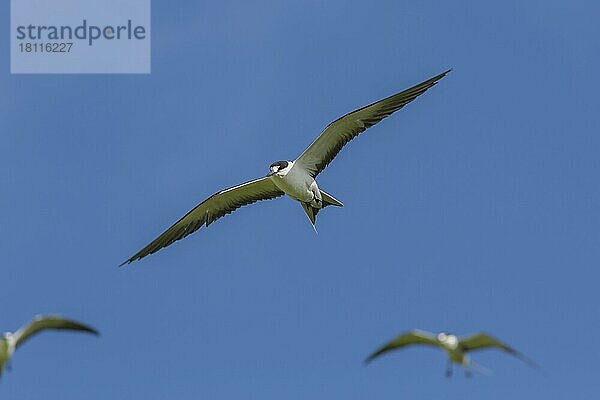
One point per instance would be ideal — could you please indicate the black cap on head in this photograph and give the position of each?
(280, 164)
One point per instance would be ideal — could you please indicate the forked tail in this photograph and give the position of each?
(311, 212)
(329, 200)
(479, 368)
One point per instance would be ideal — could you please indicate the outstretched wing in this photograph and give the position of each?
(406, 339)
(211, 209)
(482, 341)
(55, 322)
(335, 135)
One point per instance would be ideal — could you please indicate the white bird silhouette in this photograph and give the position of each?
(456, 348)
(11, 341)
(293, 178)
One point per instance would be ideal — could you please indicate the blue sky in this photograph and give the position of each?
(473, 208)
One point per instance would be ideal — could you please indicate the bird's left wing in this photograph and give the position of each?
(405, 339)
(335, 135)
(216, 206)
(42, 322)
(483, 340)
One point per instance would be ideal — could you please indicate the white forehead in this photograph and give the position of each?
(444, 337)
(281, 168)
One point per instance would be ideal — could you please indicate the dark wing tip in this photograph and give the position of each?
(95, 332)
(436, 78)
(68, 323)
(91, 330)
(526, 360)
(129, 261)
(375, 354)
(433, 81)
(78, 326)
(368, 360)
(142, 253)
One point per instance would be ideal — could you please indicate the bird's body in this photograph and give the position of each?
(296, 179)
(6, 350)
(455, 353)
(10, 341)
(456, 349)
(458, 357)
(297, 184)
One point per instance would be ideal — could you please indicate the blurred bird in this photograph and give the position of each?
(456, 348)
(10, 341)
(293, 178)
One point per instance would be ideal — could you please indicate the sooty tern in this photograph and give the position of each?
(10, 341)
(293, 178)
(456, 348)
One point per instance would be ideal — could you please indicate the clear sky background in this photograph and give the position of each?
(474, 208)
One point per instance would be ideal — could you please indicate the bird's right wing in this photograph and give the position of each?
(481, 341)
(406, 339)
(216, 206)
(335, 135)
(56, 322)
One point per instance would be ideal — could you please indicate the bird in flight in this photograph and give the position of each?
(293, 178)
(456, 348)
(11, 341)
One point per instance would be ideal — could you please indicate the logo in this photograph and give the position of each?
(80, 36)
